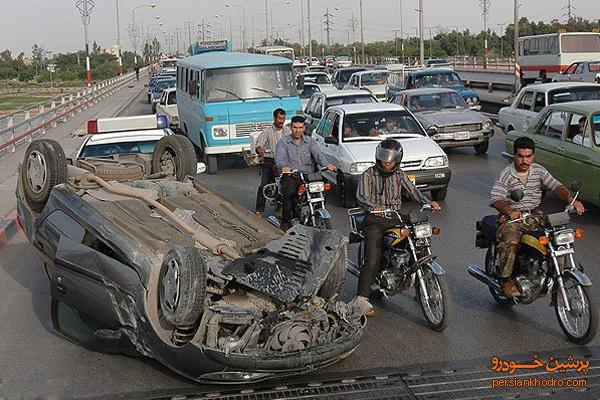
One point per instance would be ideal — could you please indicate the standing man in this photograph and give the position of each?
(137, 72)
(296, 152)
(265, 147)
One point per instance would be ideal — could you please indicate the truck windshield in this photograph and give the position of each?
(254, 82)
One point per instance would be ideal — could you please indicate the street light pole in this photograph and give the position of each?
(302, 44)
(501, 40)
(135, 31)
(230, 28)
(308, 28)
(362, 32)
(516, 46)
(244, 18)
(119, 40)
(267, 36)
(421, 34)
(85, 9)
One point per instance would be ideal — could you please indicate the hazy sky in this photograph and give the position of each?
(57, 24)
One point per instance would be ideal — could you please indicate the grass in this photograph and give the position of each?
(12, 103)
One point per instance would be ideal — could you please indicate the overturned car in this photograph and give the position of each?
(162, 266)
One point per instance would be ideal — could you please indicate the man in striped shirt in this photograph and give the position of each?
(381, 188)
(533, 180)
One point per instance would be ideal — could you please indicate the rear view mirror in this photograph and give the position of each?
(576, 185)
(517, 195)
(200, 168)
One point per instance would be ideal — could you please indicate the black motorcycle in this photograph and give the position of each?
(544, 264)
(406, 260)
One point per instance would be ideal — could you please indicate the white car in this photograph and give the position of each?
(532, 98)
(375, 81)
(320, 78)
(342, 62)
(167, 105)
(349, 134)
(313, 61)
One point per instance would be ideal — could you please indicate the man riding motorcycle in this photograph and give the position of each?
(533, 179)
(296, 152)
(380, 188)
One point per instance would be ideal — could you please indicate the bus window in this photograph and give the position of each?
(589, 43)
(534, 46)
(543, 45)
(553, 45)
(526, 47)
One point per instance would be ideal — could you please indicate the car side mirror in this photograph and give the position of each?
(517, 195)
(331, 140)
(576, 185)
(200, 168)
(300, 83)
(476, 108)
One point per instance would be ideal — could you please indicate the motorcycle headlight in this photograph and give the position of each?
(564, 237)
(314, 187)
(360, 167)
(220, 131)
(439, 161)
(487, 126)
(422, 231)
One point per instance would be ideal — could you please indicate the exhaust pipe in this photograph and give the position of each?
(476, 272)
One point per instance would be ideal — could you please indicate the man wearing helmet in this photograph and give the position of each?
(380, 188)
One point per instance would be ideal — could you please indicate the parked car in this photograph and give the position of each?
(349, 134)
(329, 60)
(567, 143)
(158, 89)
(342, 62)
(318, 68)
(372, 80)
(341, 76)
(447, 118)
(168, 269)
(584, 71)
(321, 79)
(167, 105)
(433, 77)
(307, 91)
(319, 102)
(533, 98)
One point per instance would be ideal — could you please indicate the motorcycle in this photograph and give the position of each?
(309, 205)
(406, 260)
(545, 264)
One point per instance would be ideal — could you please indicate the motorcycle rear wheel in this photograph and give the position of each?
(437, 308)
(502, 300)
(581, 323)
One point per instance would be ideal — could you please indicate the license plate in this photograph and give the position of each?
(462, 135)
(413, 179)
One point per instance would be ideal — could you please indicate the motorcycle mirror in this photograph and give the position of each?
(576, 185)
(517, 195)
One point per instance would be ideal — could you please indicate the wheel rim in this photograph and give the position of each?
(577, 321)
(170, 286)
(168, 160)
(36, 171)
(434, 307)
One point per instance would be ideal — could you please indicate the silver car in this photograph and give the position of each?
(582, 71)
(532, 98)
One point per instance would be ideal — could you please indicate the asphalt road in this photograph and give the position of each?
(36, 363)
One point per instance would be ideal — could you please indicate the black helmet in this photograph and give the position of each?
(388, 150)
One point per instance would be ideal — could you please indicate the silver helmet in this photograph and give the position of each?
(389, 150)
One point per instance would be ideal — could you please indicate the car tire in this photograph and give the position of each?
(336, 280)
(212, 165)
(44, 167)
(440, 194)
(178, 151)
(182, 286)
(482, 148)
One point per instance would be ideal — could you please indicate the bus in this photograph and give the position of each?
(545, 56)
(223, 97)
(281, 51)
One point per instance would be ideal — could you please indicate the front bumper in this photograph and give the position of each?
(425, 179)
(445, 140)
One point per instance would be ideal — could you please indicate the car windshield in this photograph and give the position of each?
(162, 85)
(374, 78)
(591, 92)
(376, 125)
(354, 99)
(436, 101)
(344, 76)
(437, 80)
(110, 149)
(254, 82)
(343, 58)
(319, 79)
(596, 129)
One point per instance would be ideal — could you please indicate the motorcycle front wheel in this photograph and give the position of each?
(580, 324)
(436, 308)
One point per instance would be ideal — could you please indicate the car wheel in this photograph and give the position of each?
(44, 167)
(482, 148)
(440, 194)
(176, 154)
(182, 286)
(211, 164)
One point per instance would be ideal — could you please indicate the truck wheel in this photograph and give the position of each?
(44, 167)
(482, 148)
(176, 153)
(182, 286)
(440, 194)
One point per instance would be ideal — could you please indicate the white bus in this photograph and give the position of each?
(545, 56)
(281, 51)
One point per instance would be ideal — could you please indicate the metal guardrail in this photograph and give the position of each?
(50, 113)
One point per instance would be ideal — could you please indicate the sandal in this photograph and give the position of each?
(362, 306)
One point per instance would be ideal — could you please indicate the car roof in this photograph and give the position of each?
(545, 87)
(128, 136)
(437, 71)
(580, 107)
(427, 90)
(367, 107)
(370, 71)
(347, 93)
(313, 73)
(228, 59)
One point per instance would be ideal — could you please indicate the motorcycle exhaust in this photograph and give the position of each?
(476, 272)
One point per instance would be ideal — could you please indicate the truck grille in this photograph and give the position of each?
(460, 128)
(411, 164)
(244, 130)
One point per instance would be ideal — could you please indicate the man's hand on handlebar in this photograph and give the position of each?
(579, 207)
(514, 214)
(435, 206)
(260, 151)
(330, 167)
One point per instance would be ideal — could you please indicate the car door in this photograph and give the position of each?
(567, 75)
(316, 112)
(323, 130)
(333, 149)
(523, 112)
(549, 143)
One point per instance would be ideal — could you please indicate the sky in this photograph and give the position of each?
(56, 24)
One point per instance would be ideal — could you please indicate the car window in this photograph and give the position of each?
(594, 67)
(577, 129)
(366, 126)
(436, 102)
(318, 106)
(553, 125)
(540, 102)
(326, 125)
(172, 98)
(579, 69)
(308, 91)
(110, 149)
(571, 68)
(66, 225)
(526, 100)
(578, 93)
(335, 132)
(596, 129)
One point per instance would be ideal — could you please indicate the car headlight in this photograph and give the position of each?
(564, 237)
(474, 100)
(422, 231)
(468, 100)
(487, 126)
(360, 167)
(439, 161)
(220, 131)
